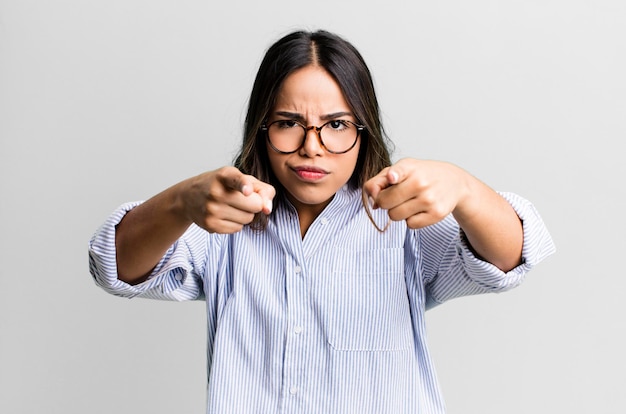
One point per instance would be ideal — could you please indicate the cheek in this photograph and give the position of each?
(277, 165)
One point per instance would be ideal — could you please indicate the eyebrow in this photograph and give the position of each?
(300, 117)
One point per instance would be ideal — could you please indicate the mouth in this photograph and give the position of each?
(308, 173)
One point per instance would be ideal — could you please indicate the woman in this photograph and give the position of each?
(316, 257)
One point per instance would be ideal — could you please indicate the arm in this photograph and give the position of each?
(425, 192)
(493, 229)
(221, 201)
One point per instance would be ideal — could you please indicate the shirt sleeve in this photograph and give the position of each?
(176, 277)
(451, 270)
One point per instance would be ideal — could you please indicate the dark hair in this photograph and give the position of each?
(346, 65)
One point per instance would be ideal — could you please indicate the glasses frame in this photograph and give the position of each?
(317, 129)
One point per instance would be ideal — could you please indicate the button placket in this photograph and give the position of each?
(294, 353)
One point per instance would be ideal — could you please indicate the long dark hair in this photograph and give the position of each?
(346, 65)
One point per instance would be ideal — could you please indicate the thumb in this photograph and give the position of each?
(233, 179)
(385, 178)
(392, 175)
(400, 171)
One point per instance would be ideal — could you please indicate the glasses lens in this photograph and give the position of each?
(286, 136)
(339, 136)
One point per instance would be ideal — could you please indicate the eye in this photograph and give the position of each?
(338, 125)
(286, 124)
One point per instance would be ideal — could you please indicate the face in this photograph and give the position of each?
(311, 175)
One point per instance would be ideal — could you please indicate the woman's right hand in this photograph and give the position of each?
(225, 200)
(220, 201)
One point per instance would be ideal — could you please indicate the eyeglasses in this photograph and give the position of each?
(287, 136)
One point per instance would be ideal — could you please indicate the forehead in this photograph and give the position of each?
(311, 91)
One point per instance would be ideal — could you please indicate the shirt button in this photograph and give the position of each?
(297, 330)
(324, 220)
(297, 269)
(293, 390)
(178, 277)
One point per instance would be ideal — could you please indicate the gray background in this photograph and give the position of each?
(103, 102)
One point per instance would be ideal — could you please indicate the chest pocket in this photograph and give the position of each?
(368, 302)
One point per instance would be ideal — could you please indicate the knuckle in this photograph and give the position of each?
(212, 210)
(411, 222)
(395, 214)
(222, 172)
(210, 224)
(229, 175)
(271, 190)
(415, 222)
(439, 213)
(428, 199)
(248, 219)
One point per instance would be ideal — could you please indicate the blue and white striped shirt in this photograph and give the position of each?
(332, 323)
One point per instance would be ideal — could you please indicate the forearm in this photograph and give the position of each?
(492, 227)
(146, 233)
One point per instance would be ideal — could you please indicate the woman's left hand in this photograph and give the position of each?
(425, 192)
(418, 191)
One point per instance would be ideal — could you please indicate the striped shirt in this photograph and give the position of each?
(329, 323)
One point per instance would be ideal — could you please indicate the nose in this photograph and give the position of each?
(312, 147)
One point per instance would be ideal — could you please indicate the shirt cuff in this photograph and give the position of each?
(167, 277)
(537, 245)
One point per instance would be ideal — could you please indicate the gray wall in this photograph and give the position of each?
(103, 102)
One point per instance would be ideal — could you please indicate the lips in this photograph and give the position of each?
(309, 173)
